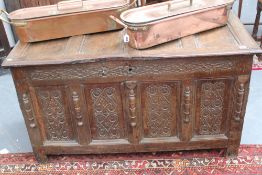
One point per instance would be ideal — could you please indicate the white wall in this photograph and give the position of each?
(248, 15)
(7, 27)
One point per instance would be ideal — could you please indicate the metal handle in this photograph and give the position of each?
(9, 22)
(169, 5)
(73, 4)
(2, 18)
(129, 5)
(118, 21)
(142, 28)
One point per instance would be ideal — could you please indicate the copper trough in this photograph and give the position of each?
(67, 18)
(159, 23)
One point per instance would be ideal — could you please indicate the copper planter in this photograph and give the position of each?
(67, 18)
(159, 23)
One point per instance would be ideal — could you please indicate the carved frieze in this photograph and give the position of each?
(159, 110)
(98, 70)
(212, 100)
(57, 127)
(105, 111)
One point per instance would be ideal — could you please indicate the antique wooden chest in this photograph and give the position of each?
(94, 94)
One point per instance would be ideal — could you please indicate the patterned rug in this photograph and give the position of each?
(203, 162)
(257, 65)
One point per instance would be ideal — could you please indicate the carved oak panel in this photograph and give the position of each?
(105, 109)
(159, 106)
(212, 106)
(52, 104)
(212, 101)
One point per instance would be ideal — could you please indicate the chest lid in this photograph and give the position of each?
(230, 40)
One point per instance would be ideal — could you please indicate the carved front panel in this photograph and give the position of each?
(212, 101)
(212, 106)
(54, 111)
(105, 106)
(159, 109)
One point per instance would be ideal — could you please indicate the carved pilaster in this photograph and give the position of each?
(28, 110)
(77, 109)
(239, 101)
(187, 96)
(132, 102)
(79, 116)
(186, 111)
(236, 124)
(132, 109)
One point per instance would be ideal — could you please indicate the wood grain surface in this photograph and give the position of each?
(232, 39)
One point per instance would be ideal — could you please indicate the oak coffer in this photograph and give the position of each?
(94, 94)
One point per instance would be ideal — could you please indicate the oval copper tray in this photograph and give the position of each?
(155, 24)
(67, 18)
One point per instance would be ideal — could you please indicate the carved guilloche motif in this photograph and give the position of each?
(212, 100)
(159, 110)
(53, 110)
(105, 111)
(96, 71)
